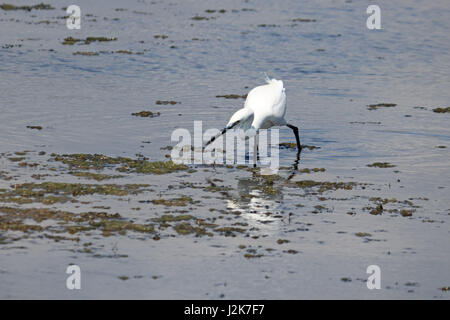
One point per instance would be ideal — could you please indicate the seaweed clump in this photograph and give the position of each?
(40, 6)
(35, 127)
(185, 228)
(378, 210)
(442, 110)
(165, 102)
(57, 192)
(13, 219)
(88, 40)
(381, 165)
(303, 20)
(146, 114)
(179, 202)
(121, 226)
(232, 96)
(172, 218)
(381, 105)
(197, 17)
(98, 162)
(85, 53)
(293, 145)
(325, 185)
(94, 176)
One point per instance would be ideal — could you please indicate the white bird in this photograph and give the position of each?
(265, 107)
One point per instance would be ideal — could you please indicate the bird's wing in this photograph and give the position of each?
(268, 103)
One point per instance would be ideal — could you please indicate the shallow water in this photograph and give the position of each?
(332, 68)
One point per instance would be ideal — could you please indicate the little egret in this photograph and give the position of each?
(265, 107)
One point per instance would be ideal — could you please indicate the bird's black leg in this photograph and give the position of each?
(299, 146)
(297, 138)
(255, 150)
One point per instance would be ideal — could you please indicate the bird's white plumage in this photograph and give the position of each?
(264, 107)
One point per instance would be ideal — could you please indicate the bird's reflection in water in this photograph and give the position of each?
(260, 199)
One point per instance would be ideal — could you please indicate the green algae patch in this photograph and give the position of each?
(77, 229)
(378, 210)
(15, 226)
(363, 234)
(76, 189)
(99, 162)
(380, 105)
(35, 127)
(95, 176)
(146, 114)
(45, 22)
(229, 231)
(121, 227)
(219, 11)
(252, 255)
(293, 145)
(166, 102)
(232, 96)
(268, 184)
(124, 52)
(85, 53)
(49, 200)
(71, 41)
(406, 213)
(312, 170)
(11, 219)
(185, 228)
(172, 218)
(381, 165)
(199, 18)
(58, 192)
(216, 188)
(40, 6)
(213, 187)
(303, 20)
(263, 25)
(158, 167)
(178, 202)
(88, 161)
(383, 200)
(88, 40)
(325, 185)
(203, 223)
(442, 110)
(4, 176)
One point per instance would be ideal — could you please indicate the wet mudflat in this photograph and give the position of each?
(86, 176)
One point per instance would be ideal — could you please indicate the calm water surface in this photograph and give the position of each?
(333, 67)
